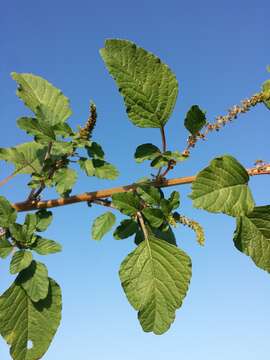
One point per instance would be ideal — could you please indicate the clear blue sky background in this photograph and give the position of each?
(219, 51)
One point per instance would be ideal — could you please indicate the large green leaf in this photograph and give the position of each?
(252, 236)
(45, 100)
(22, 321)
(34, 280)
(222, 187)
(148, 86)
(27, 158)
(102, 225)
(155, 278)
(8, 214)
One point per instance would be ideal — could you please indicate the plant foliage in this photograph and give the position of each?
(155, 276)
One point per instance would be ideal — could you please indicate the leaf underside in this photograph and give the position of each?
(222, 187)
(155, 278)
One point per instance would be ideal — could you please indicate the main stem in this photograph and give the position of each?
(105, 193)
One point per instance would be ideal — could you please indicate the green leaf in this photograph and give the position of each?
(150, 194)
(38, 128)
(195, 120)
(125, 229)
(45, 100)
(34, 280)
(95, 151)
(27, 158)
(252, 236)
(159, 161)
(45, 246)
(61, 148)
(148, 86)
(266, 89)
(105, 170)
(102, 225)
(21, 321)
(64, 180)
(155, 278)
(87, 166)
(20, 260)
(222, 187)
(155, 217)
(166, 235)
(146, 152)
(8, 214)
(174, 200)
(5, 247)
(128, 202)
(44, 219)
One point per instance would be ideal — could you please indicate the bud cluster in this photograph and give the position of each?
(86, 131)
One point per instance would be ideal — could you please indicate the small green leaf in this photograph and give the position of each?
(27, 158)
(64, 179)
(87, 166)
(155, 217)
(125, 229)
(146, 152)
(34, 280)
(95, 151)
(8, 214)
(20, 260)
(195, 120)
(174, 200)
(159, 161)
(5, 247)
(150, 194)
(61, 148)
(45, 100)
(148, 86)
(252, 236)
(166, 235)
(128, 202)
(155, 278)
(222, 187)
(44, 219)
(102, 225)
(38, 128)
(21, 321)
(105, 170)
(45, 246)
(266, 90)
(165, 207)
(22, 233)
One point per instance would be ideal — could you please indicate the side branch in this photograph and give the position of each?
(103, 194)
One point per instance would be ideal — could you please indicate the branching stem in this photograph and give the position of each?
(106, 193)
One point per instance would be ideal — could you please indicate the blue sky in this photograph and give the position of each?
(219, 52)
